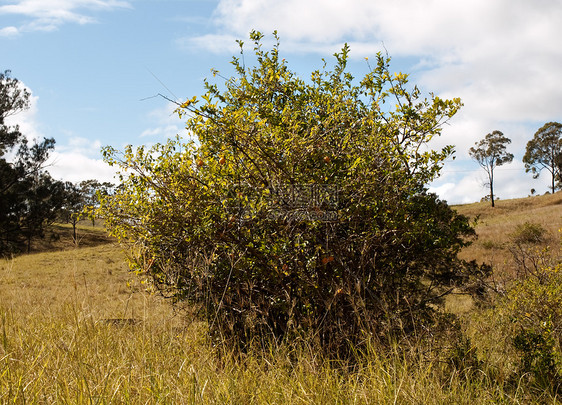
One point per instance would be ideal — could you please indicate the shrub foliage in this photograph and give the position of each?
(529, 315)
(300, 207)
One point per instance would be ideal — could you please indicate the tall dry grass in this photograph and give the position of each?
(66, 357)
(62, 341)
(76, 327)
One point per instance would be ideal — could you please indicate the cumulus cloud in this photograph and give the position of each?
(443, 29)
(48, 15)
(461, 183)
(216, 43)
(81, 146)
(79, 159)
(27, 119)
(500, 57)
(166, 131)
(10, 31)
(76, 160)
(74, 166)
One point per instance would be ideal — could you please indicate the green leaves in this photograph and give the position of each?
(301, 208)
(29, 197)
(491, 152)
(544, 151)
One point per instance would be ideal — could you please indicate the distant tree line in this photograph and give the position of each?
(544, 151)
(81, 201)
(30, 199)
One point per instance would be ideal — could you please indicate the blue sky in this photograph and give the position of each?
(93, 65)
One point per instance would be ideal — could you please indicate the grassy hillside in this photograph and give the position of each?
(496, 225)
(76, 327)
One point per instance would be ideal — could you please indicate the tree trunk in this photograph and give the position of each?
(74, 232)
(491, 178)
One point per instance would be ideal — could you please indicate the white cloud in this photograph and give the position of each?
(167, 131)
(9, 31)
(466, 190)
(501, 57)
(27, 119)
(81, 146)
(440, 28)
(215, 43)
(75, 166)
(48, 15)
(79, 159)
(463, 182)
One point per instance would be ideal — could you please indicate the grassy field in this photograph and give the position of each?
(77, 327)
(496, 225)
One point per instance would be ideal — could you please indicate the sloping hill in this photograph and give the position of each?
(94, 279)
(96, 273)
(60, 237)
(495, 226)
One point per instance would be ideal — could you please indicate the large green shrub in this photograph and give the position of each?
(300, 208)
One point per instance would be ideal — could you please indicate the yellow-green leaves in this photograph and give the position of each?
(301, 208)
(187, 103)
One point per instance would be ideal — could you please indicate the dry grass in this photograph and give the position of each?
(62, 356)
(59, 237)
(495, 225)
(77, 327)
(95, 280)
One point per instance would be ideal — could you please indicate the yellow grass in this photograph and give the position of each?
(495, 225)
(77, 327)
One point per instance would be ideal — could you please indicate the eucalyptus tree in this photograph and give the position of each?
(544, 152)
(491, 152)
(92, 191)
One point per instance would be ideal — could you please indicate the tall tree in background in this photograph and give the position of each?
(73, 206)
(544, 150)
(29, 197)
(92, 190)
(82, 200)
(43, 200)
(14, 98)
(491, 152)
